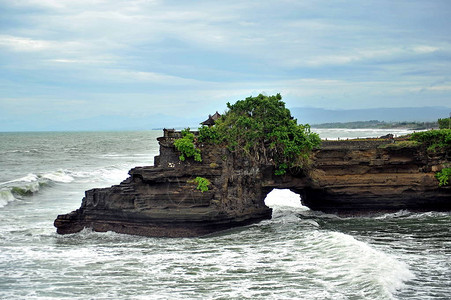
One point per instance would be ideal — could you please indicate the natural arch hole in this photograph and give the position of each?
(286, 206)
(284, 198)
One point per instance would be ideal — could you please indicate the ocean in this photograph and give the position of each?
(298, 254)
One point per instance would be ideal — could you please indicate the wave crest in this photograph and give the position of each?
(6, 196)
(30, 184)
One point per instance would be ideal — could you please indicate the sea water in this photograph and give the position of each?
(298, 254)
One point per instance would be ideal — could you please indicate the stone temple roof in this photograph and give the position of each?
(211, 119)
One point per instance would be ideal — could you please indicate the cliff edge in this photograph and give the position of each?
(162, 200)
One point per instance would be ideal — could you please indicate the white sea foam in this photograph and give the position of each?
(398, 214)
(29, 178)
(412, 215)
(58, 176)
(55, 176)
(284, 198)
(429, 214)
(108, 175)
(387, 270)
(343, 133)
(341, 260)
(17, 188)
(30, 184)
(5, 197)
(114, 175)
(352, 263)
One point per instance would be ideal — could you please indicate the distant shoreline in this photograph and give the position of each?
(374, 124)
(314, 126)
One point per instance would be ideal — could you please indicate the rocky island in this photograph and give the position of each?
(185, 194)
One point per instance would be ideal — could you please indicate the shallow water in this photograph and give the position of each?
(297, 254)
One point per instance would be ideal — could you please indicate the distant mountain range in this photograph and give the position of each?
(320, 115)
(304, 115)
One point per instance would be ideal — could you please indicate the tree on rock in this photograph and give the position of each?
(263, 129)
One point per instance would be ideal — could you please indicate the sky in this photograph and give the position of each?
(65, 62)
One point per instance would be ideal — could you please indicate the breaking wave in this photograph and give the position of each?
(350, 261)
(110, 175)
(5, 197)
(355, 263)
(29, 185)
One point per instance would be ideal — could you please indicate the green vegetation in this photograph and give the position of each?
(208, 134)
(379, 125)
(444, 123)
(434, 140)
(443, 176)
(400, 145)
(187, 147)
(202, 183)
(264, 130)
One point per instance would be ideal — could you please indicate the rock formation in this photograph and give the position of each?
(373, 176)
(345, 177)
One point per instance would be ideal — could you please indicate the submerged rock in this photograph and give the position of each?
(345, 177)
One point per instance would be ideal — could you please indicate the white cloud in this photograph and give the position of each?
(425, 49)
(440, 88)
(364, 55)
(150, 77)
(24, 44)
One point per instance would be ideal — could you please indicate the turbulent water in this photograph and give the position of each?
(298, 254)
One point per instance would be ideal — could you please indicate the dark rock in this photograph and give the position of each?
(345, 177)
(365, 178)
(387, 136)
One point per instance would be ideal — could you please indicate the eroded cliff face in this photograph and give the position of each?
(366, 176)
(345, 177)
(162, 200)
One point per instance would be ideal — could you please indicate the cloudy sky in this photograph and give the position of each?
(63, 61)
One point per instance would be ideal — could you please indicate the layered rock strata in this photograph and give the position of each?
(373, 176)
(345, 177)
(162, 200)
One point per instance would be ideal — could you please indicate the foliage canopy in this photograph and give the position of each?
(444, 123)
(187, 147)
(434, 139)
(264, 130)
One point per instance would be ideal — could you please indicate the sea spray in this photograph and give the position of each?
(28, 178)
(58, 176)
(30, 184)
(358, 264)
(110, 174)
(5, 197)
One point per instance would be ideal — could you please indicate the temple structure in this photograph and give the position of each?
(211, 119)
